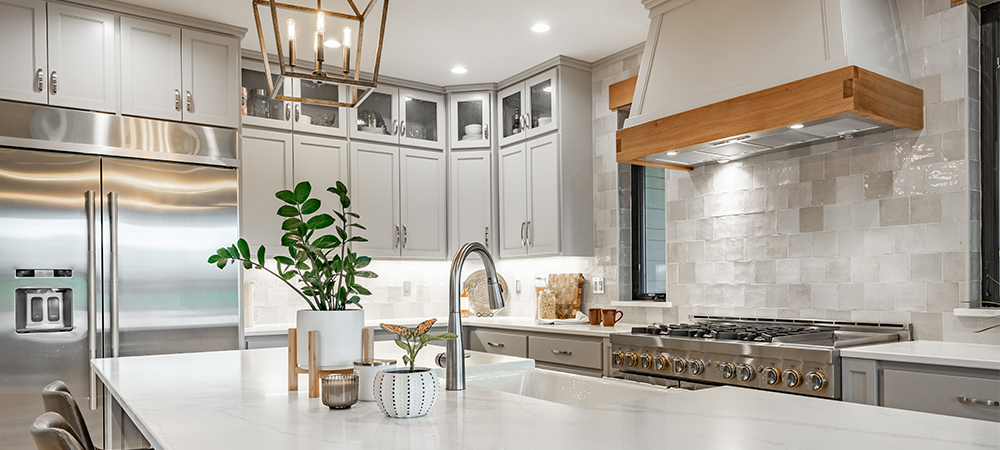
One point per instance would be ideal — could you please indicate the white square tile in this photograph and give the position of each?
(824, 244)
(879, 296)
(894, 268)
(800, 296)
(788, 270)
(704, 273)
(910, 297)
(851, 296)
(755, 296)
(946, 237)
(777, 296)
(787, 221)
(813, 270)
(838, 270)
(733, 249)
(837, 217)
(850, 189)
(800, 245)
(851, 242)
(824, 296)
(864, 269)
(910, 239)
(925, 267)
(764, 272)
(714, 250)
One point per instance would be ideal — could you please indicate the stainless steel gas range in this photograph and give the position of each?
(784, 355)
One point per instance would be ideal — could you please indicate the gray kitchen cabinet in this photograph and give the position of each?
(577, 352)
(263, 111)
(24, 71)
(503, 343)
(400, 116)
(949, 390)
(466, 112)
(400, 195)
(545, 170)
(272, 161)
(564, 352)
(151, 69)
(210, 77)
(471, 199)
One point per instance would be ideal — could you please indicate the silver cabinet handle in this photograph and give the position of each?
(395, 127)
(54, 82)
(523, 243)
(527, 120)
(976, 401)
(494, 344)
(113, 228)
(89, 196)
(527, 232)
(404, 236)
(486, 235)
(486, 131)
(524, 126)
(561, 352)
(396, 245)
(402, 128)
(288, 111)
(190, 102)
(40, 80)
(177, 99)
(298, 112)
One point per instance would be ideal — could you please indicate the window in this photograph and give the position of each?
(990, 136)
(649, 237)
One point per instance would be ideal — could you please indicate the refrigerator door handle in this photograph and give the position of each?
(113, 228)
(91, 206)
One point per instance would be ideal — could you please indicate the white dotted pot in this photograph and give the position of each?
(401, 393)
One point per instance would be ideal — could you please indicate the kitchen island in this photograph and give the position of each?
(238, 400)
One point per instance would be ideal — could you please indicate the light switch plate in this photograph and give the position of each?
(406, 289)
(598, 283)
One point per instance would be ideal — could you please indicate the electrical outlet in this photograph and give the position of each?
(406, 289)
(517, 286)
(598, 283)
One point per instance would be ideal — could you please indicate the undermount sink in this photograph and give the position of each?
(564, 388)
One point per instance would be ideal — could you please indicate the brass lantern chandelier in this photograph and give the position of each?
(359, 83)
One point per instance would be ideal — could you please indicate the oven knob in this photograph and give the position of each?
(679, 364)
(618, 358)
(697, 366)
(660, 362)
(746, 372)
(645, 360)
(771, 375)
(793, 378)
(815, 380)
(727, 370)
(631, 359)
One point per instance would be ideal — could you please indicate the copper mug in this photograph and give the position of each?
(612, 316)
(594, 314)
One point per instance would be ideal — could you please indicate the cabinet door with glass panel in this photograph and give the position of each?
(400, 116)
(377, 118)
(529, 108)
(469, 122)
(319, 118)
(261, 109)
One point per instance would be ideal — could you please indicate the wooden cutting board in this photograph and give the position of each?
(568, 288)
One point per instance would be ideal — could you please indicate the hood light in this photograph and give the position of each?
(672, 153)
(796, 126)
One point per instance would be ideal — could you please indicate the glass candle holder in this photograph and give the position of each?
(339, 391)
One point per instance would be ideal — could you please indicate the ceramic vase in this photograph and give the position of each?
(403, 394)
(339, 337)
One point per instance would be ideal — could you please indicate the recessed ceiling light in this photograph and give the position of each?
(541, 27)
(458, 70)
(672, 153)
(796, 126)
(331, 44)
(723, 160)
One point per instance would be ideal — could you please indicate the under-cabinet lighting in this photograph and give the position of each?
(796, 126)
(723, 160)
(541, 27)
(672, 153)
(459, 70)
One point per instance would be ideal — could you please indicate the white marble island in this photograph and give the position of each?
(238, 400)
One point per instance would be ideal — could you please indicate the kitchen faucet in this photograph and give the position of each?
(454, 349)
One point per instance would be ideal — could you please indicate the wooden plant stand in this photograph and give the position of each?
(314, 372)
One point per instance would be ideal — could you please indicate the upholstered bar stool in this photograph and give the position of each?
(58, 399)
(52, 432)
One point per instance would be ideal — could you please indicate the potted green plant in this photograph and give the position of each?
(409, 391)
(324, 269)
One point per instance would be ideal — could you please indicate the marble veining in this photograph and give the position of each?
(957, 354)
(238, 400)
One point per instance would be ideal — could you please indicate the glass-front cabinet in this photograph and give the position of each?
(263, 111)
(469, 120)
(400, 116)
(529, 108)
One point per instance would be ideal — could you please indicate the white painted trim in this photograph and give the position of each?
(643, 304)
(618, 56)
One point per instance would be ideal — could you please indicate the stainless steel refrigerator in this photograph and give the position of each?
(106, 256)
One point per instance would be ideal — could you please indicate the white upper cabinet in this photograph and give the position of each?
(400, 116)
(210, 78)
(469, 122)
(513, 200)
(423, 204)
(529, 198)
(81, 58)
(151, 69)
(529, 108)
(265, 168)
(375, 197)
(471, 199)
(315, 118)
(24, 71)
(261, 109)
(322, 162)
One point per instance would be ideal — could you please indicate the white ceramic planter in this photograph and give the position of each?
(339, 337)
(400, 393)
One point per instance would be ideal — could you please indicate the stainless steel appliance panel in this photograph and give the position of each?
(43, 226)
(169, 219)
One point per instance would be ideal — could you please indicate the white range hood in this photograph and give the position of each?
(724, 79)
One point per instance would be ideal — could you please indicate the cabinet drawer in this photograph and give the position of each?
(939, 394)
(502, 343)
(570, 352)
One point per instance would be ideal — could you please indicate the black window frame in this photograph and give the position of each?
(638, 195)
(989, 138)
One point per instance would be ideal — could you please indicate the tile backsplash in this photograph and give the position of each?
(883, 227)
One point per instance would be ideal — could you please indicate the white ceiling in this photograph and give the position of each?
(424, 39)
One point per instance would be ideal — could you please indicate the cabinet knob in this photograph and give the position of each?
(54, 82)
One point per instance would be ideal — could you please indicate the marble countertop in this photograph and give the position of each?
(282, 328)
(238, 400)
(528, 324)
(978, 356)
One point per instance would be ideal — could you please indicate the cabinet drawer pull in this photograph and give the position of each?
(40, 80)
(561, 352)
(976, 401)
(494, 344)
